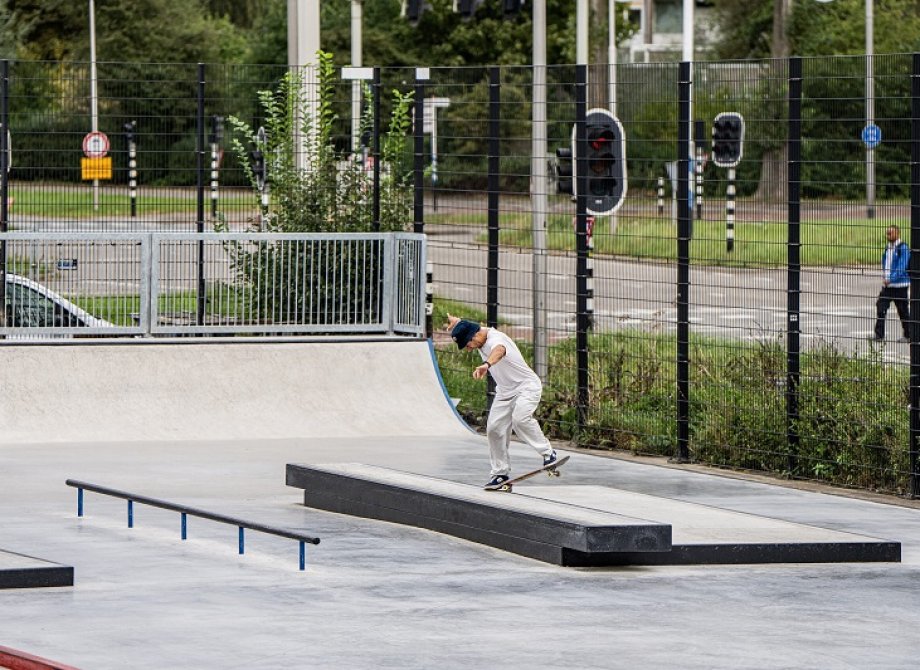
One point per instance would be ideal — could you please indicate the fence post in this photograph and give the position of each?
(684, 232)
(390, 256)
(794, 267)
(4, 177)
(419, 189)
(199, 156)
(375, 86)
(419, 162)
(914, 484)
(493, 204)
(582, 322)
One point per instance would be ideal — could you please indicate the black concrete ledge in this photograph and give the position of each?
(549, 531)
(18, 571)
(880, 551)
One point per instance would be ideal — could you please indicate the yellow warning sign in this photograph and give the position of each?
(96, 168)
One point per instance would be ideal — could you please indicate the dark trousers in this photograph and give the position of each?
(897, 295)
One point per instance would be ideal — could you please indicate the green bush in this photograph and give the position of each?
(852, 425)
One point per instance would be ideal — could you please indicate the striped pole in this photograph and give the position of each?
(730, 211)
(214, 179)
(660, 196)
(132, 176)
(589, 273)
(429, 298)
(698, 169)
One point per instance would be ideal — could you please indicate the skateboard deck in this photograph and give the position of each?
(551, 470)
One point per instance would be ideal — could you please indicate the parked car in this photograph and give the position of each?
(32, 305)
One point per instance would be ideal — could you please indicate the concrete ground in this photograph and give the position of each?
(378, 595)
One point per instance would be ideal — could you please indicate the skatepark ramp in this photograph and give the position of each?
(191, 389)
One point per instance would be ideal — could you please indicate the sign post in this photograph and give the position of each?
(97, 164)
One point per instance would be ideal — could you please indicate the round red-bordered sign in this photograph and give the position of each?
(95, 144)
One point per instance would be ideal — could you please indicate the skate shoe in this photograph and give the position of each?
(497, 483)
(549, 460)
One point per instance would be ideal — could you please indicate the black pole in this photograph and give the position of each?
(684, 232)
(4, 178)
(419, 162)
(493, 198)
(582, 323)
(418, 168)
(199, 155)
(794, 267)
(914, 483)
(375, 222)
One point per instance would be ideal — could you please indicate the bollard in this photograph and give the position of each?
(730, 211)
(660, 196)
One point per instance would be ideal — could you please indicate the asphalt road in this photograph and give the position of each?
(837, 304)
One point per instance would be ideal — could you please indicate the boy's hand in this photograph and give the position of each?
(452, 321)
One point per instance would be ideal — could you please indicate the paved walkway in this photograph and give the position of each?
(378, 595)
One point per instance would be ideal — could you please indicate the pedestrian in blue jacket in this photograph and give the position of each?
(895, 284)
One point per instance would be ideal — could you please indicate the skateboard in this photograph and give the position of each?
(551, 470)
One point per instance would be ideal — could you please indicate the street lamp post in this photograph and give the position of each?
(870, 105)
(93, 93)
(870, 109)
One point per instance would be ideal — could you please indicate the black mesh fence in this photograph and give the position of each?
(725, 313)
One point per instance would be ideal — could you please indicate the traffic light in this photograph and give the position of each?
(413, 9)
(130, 129)
(466, 8)
(563, 169)
(605, 157)
(257, 161)
(512, 7)
(727, 139)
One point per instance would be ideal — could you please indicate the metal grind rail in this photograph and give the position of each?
(187, 511)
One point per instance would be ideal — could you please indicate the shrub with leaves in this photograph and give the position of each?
(317, 188)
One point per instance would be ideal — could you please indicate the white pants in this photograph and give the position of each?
(514, 413)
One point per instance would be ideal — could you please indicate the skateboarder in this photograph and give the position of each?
(517, 394)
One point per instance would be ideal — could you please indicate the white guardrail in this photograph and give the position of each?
(147, 284)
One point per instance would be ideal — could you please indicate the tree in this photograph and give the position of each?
(126, 30)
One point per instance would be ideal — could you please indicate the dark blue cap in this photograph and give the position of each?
(463, 332)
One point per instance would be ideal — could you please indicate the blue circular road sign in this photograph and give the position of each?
(872, 136)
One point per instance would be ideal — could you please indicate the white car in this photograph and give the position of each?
(32, 305)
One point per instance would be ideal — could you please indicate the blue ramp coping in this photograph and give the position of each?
(545, 530)
(18, 571)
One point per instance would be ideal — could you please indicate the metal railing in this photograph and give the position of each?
(185, 511)
(107, 284)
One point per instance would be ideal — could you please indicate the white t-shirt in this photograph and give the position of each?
(511, 373)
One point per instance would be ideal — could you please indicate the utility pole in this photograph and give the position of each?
(538, 197)
(357, 23)
(303, 43)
